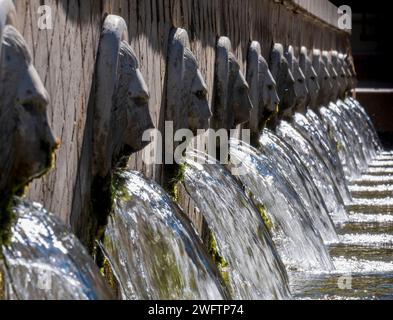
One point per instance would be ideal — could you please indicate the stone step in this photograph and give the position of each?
(366, 228)
(372, 180)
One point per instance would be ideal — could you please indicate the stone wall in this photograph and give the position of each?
(65, 59)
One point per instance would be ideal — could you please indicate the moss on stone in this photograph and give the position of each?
(123, 194)
(7, 218)
(262, 212)
(270, 119)
(164, 273)
(107, 272)
(174, 174)
(220, 262)
(2, 286)
(19, 188)
(102, 198)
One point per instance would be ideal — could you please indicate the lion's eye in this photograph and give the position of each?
(313, 78)
(270, 87)
(300, 80)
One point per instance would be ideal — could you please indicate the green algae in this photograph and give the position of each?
(19, 188)
(102, 201)
(220, 262)
(174, 174)
(2, 286)
(7, 217)
(262, 212)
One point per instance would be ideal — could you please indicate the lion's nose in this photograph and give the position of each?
(138, 88)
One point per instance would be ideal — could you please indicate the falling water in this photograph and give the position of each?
(362, 257)
(318, 169)
(358, 111)
(368, 142)
(351, 131)
(294, 228)
(278, 226)
(252, 265)
(151, 247)
(343, 145)
(44, 261)
(284, 160)
(314, 131)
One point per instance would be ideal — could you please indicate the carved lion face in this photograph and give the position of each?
(131, 104)
(324, 80)
(351, 72)
(26, 141)
(333, 76)
(284, 78)
(263, 91)
(187, 101)
(239, 102)
(198, 110)
(337, 60)
(268, 86)
(311, 77)
(232, 104)
(301, 91)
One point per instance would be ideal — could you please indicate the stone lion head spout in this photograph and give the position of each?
(121, 114)
(187, 104)
(334, 77)
(263, 91)
(301, 91)
(349, 67)
(232, 104)
(26, 141)
(311, 79)
(324, 79)
(131, 106)
(336, 59)
(282, 73)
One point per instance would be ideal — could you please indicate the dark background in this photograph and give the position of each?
(372, 37)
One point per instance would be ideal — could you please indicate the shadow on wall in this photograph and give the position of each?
(81, 11)
(204, 18)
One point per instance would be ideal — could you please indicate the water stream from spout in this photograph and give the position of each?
(152, 248)
(45, 261)
(253, 267)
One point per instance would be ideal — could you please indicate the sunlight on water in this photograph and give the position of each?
(317, 168)
(294, 229)
(253, 267)
(152, 249)
(45, 261)
(362, 256)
